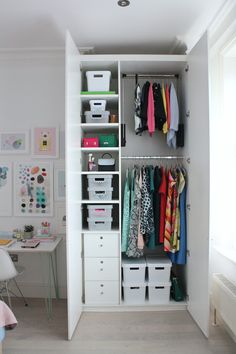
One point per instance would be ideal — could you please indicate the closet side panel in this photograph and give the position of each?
(197, 148)
(73, 187)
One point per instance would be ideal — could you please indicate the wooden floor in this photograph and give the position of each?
(111, 333)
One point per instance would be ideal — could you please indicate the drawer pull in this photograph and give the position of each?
(159, 287)
(101, 293)
(159, 268)
(101, 262)
(102, 285)
(101, 270)
(101, 237)
(101, 245)
(134, 268)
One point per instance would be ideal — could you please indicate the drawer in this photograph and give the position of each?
(102, 292)
(101, 245)
(101, 269)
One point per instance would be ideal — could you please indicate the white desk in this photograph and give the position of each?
(48, 249)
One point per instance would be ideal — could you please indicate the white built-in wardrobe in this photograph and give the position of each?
(86, 250)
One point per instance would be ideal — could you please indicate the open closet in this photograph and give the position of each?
(94, 255)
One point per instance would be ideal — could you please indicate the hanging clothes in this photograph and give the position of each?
(173, 237)
(169, 209)
(160, 116)
(150, 112)
(147, 220)
(137, 112)
(167, 94)
(126, 213)
(174, 117)
(162, 192)
(165, 126)
(144, 105)
(141, 242)
(157, 203)
(133, 250)
(152, 240)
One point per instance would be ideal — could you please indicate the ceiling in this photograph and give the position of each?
(146, 26)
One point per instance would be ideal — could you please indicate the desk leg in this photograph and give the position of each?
(48, 296)
(54, 273)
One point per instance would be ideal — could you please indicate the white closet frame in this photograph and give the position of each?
(193, 70)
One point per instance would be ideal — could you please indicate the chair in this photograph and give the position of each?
(9, 272)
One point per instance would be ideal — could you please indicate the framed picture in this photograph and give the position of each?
(61, 219)
(5, 189)
(45, 142)
(33, 189)
(14, 142)
(59, 184)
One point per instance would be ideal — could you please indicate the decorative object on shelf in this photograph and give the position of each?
(44, 231)
(5, 189)
(59, 184)
(91, 165)
(14, 142)
(106, 164)
(28, 231)
(90, 142)
(45, 142)
(33, 189)
(108, 140)
(18, 234)
(113, 118)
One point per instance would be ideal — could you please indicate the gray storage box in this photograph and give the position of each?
(99, 224)
(97, 117)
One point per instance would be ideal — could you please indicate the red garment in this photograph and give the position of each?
(162, 192)
(150, 112)
(168, 107)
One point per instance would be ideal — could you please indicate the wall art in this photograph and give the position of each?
(5, 189)
(14, 142)
(45, 142)
(33, 189)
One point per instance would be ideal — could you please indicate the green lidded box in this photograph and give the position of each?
(108, 140)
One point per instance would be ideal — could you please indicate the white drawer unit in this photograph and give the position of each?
(101, 269)
(102, 292)
(101, 245)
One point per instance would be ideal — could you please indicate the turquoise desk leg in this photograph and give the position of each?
(54, 273)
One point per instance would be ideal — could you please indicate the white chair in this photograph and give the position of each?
(9, 272)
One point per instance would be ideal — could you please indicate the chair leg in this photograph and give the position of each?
(24, 299)
(8, 295)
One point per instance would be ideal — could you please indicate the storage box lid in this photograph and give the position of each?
(99, 206)
(129, 262)
(106, 162)
(129, 285)
(91, 113)
(100, 189)
(154, 284)
(158, 262)
(104, 72)
(100, 220)
(99, 176)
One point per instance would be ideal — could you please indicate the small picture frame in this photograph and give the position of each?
(59, 184)
(14, 142)
(45, 142)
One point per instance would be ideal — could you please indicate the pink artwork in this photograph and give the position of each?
(45, 142)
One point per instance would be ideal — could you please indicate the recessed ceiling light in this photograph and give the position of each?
(123, 3)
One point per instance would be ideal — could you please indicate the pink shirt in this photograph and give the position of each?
(150, 112)
(6, 315)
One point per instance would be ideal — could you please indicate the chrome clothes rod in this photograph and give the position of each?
(150, 75)
(152, 157)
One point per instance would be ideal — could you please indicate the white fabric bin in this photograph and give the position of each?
(159, 293)
(97, 105)
(158, 269)
(133, 270)
(99, 211)
(134, 293)
(95, 181)
(100, 193)
(98, 80)
(97, 117)
(99, 224)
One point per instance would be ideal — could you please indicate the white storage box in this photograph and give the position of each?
(97, 105)
(134, 293)
(95, 181)
(158, 269)
(97, 117)
(133, 270)
(100, 193)
(99, 211)
(99, 224)
(98, 80)
(159, 293)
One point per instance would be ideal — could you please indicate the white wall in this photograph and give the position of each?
(32, 94)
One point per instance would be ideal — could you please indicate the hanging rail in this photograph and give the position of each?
(152, 157)
(150, 75)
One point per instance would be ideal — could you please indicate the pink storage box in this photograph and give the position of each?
(90, 142)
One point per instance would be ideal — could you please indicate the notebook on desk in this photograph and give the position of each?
(30, 244)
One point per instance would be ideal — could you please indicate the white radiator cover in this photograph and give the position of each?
(224, 300)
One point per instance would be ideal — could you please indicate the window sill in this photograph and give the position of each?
(227, 253)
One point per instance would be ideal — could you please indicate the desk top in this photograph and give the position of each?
(43, 247)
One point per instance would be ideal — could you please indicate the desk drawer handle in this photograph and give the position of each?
(101, 245)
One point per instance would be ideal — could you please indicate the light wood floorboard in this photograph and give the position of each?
(172, 332)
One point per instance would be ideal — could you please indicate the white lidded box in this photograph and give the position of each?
(134, 293)
(95, 181)
(133, 270)
(159, 293)
(99, 211)
(97, 117)
(98, 80)
(158, 269)
(99, 224)
(100, 193)
(97, 105)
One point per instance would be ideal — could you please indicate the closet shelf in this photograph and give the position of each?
(98, 173)
(99, 149)
(108, 98)
(88, 201)
(113, 230)
(92, 126)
